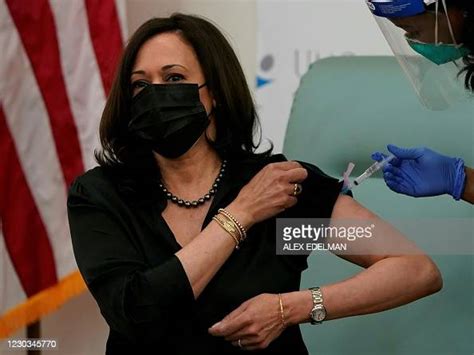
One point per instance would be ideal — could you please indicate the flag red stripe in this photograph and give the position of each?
(35, 24)
(25, 234)
(104, 28)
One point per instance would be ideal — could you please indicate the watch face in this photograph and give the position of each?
(318, 314)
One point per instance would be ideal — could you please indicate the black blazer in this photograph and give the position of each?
(125, 253)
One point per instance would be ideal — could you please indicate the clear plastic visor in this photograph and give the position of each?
(438, 85)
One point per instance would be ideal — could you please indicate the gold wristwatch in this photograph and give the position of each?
(318, 312)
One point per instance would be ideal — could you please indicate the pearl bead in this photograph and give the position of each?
(199, 201)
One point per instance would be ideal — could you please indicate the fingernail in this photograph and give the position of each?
(216, 325)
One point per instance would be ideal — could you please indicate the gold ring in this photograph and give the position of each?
(240, 343)
(297, 189)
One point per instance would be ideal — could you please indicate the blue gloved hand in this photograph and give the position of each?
(421, 172)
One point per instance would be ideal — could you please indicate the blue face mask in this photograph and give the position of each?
(439, 53)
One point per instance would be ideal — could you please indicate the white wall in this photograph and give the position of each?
(294, 34)
(236, 18)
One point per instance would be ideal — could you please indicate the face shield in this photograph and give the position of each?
(424, 36)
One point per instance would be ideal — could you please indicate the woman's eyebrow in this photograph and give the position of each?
(164, 68)
(169, 66)
(138, 72)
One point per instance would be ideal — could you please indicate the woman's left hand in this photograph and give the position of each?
(254, 324)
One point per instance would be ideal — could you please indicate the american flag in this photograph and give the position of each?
(57, 63)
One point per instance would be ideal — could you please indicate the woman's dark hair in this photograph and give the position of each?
(467, 9)
(468, 40)
(235, 115)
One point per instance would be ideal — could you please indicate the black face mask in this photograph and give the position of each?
(168, 117)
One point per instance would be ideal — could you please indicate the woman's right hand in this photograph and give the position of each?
(269, 193)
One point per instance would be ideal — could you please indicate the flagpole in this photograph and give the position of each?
(33, 331)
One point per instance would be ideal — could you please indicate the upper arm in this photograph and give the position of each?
(101, 245)
(103, 253)
(348, 208)
(384, 241)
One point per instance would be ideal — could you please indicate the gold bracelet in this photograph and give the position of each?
(242, 230)
(229, 228)
(233, 223)
(282, 313)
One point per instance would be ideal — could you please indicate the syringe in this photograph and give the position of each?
(369, 172)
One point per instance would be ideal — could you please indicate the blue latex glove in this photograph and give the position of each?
(421, 172)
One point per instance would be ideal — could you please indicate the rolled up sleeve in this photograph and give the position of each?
(320, 192)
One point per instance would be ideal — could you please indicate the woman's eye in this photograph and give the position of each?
(174, 77)
(139, 84)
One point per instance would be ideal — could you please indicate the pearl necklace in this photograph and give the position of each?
(196, 203)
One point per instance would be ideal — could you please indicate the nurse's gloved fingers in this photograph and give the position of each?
(387, 167)
(395, 162)
(399, 187)
(392, 185)
(391, 182)
(406, 189)
(405, 153)
(392, 170)
(401, 174)
(377, 156)
(393, 178)
(387, 176)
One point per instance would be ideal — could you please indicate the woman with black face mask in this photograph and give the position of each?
(175, 233)
(434, 42)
